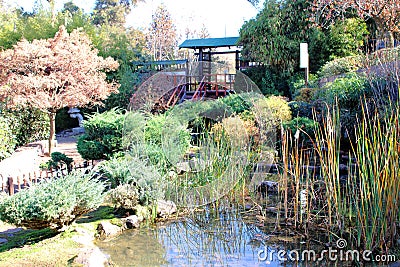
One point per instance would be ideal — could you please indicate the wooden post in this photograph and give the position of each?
(10, 184)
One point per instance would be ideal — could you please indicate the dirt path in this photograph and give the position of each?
(27, 159)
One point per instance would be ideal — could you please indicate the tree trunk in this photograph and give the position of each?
(52, 117)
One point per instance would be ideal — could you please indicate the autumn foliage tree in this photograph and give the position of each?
(55, 73)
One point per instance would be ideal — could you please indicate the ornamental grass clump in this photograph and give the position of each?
(53, 203)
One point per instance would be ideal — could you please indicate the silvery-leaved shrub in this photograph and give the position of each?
(124, 196)
(53, 203)
(143, 177)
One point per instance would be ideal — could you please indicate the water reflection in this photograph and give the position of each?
(221, 237)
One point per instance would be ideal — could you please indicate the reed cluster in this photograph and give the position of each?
(361, 205)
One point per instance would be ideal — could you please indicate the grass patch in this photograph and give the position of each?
(25, 237)
(104, 212)
(53, 251)
(47, 247)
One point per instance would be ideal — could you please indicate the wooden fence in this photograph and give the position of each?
(11, 185)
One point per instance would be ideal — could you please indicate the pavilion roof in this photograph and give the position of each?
(210, 42)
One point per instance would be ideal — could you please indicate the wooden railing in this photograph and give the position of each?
(11, 185)
(224, 79)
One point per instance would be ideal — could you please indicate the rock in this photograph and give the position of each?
(165, 208)
(131, 222)
(108, 230)
(183, 167)
(91, 257)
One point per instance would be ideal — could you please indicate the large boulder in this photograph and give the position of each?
(106, 230)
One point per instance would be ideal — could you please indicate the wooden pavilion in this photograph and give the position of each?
(181, 83)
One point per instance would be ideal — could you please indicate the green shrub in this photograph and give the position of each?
(91, 150)
(124, 196)
(7, 143)
(103, 135)
(273, 109)
(154, 129)
(57, 161)
(305, 126)
(267, 79)
(28, 125)
(348, 90)
(168, 134)
(236, 103)
(341, 66)
(107, 123)
(53, 203)
(132, 170)
(298, 89)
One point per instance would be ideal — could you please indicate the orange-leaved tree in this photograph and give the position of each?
(55, 73)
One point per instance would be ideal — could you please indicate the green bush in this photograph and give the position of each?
(305, 126)
(267, 79)
(236, 103)
(28, 125)
(154, 129)
(7, 143)
(53, 203)
(341, 66)
(161, 130)
(124, 196)
(273, 109)
(107, 123)
(348, 91)
(91, 150)
(298, 89)
(103, 135)
(132, 170)
(57, 161)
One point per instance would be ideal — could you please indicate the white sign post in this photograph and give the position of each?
(304, 60)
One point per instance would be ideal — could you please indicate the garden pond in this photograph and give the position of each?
(227, 237)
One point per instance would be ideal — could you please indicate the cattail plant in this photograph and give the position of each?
(375, 183)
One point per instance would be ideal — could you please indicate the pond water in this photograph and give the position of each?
(225, 237)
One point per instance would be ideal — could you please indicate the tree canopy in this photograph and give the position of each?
(162, 40)
(55, 73)
(384, 13)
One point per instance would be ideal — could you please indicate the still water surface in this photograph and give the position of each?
(226, 237)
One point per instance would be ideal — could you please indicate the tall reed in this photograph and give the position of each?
(363, 206)
(327, 148)
(375, 183)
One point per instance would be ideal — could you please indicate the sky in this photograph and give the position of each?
(222, 18)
